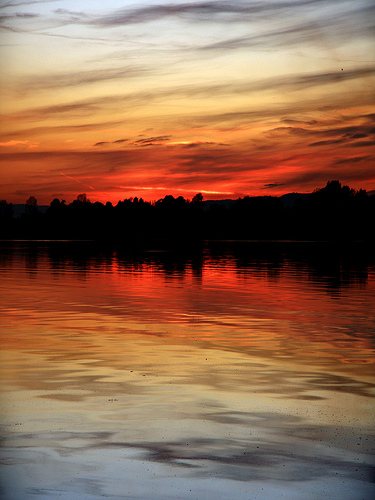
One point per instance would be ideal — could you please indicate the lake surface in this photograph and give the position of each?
(223, 371)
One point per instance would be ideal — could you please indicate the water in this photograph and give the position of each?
(231, 371)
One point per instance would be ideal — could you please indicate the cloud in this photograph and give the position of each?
(348, 126)
(240, 170)
(81, 127)
(183, 101)
(83, 107)
(23, 144)
(26, 15)
(273, 185)
(313, 31)
(27, 2)
(150, 141)
(84, 77)
(138, 99)
(356, 136)
(352, 160)
(299, 122)
(297, 21)
(194, 11)
(364, 144)
(311, 178)
(329, 133)
(302, 82)
(118, 141)
(16, 16)
(198, 144)
(216, 11)
(212, 11)
(291, 82)
(287, 83)
(73, 15)
(340, 140)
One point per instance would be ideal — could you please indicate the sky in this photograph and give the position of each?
(118, 99)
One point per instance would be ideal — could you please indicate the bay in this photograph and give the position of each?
(222, 370)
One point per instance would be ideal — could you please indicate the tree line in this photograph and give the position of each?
(334, 212)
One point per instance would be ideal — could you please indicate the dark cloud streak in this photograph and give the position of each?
(29, 2)
(102, 143)
(329, 142)
(288, 83)
(212, 11)
(150, 141)
(84, 77)
(273, 185)
(65, 128)
(353, 160)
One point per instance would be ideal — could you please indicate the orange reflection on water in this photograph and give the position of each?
(243, 371)
(277, 312)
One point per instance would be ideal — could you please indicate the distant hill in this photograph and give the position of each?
(288, 200)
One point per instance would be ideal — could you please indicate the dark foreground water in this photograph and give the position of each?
(232, 371)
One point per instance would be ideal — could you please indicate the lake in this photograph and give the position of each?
(216, 371)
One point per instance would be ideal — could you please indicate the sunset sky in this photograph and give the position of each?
(146, 98)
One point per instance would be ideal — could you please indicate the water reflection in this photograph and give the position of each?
(331, 265)
(222, 371)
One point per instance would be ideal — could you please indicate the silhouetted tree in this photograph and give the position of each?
(82, 198)
(32, 201)
(31, 205)
(55, 203)
(332, 212)
(198, 198)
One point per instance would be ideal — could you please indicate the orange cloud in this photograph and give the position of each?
(22, 144)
